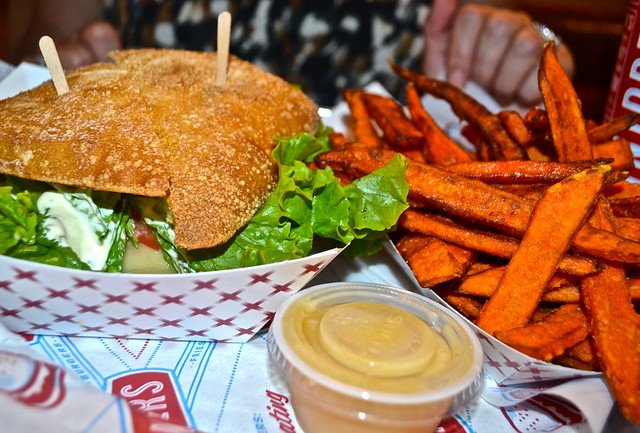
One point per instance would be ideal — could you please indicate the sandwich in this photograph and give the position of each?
(149, 140)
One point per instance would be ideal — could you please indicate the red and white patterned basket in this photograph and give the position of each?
(230, 305)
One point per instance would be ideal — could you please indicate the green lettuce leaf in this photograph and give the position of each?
(121, 224)
(310, 203)
(18, 218)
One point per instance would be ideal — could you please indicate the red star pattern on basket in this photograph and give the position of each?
(229, 305)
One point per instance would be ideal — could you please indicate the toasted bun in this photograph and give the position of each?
(99, 135)
(157, 122)
(218, 140)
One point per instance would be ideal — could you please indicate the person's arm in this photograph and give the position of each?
(499, 49)
(77, 27)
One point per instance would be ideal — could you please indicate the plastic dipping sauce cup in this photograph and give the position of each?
(361, 357)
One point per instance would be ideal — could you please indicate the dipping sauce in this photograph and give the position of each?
(378, 340)
(365, 357)
(373, 346)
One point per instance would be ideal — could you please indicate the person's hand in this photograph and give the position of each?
(497, 48)
(89, 45)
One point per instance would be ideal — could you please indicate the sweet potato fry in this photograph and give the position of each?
(484, 283)
(543, 245)
(616, 176)
(470, 110)
(586, 352)
(609, 130)
(527, 190)
(550, 337)
(515, 126)
(619, 150)
(363, 129)
(576, 248)
(474, 136)
(397, 129)
(541, 148)
(591, 239)
(521, 171)
(432, 260)
(628, 228)
(466, 305)
(628, 207)
(476, 201)
(482, 265)
(495, 244)
(563, 107)
(562, 295)
(337, 140)
(536, 118)
(569, 293)
(414, 155)
(471, 133)
(622, 189)
(438, 147)
(615, 328)
(481, 283)
(573, 362)
(616, 332)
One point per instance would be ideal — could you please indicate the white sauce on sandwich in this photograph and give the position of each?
(75, 227)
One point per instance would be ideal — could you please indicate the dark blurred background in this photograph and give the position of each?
(592, 28)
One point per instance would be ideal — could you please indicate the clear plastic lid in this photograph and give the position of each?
(377, 343)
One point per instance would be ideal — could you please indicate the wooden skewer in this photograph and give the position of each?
(51, 58)
(224, 35)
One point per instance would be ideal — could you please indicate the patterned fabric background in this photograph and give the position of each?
(322, 45)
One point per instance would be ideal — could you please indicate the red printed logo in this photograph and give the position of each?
(152, 393)
(277, 409)
(31, 382)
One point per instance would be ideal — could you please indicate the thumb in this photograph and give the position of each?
(437, 32)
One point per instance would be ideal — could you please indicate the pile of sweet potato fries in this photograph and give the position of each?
(533, 235)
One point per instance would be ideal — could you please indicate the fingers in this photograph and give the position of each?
(516, 77)
(466, 31)
(496, 48)
(499, 30)
(437, 32)
(516, 80)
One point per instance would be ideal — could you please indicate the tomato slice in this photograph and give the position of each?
(142, 231)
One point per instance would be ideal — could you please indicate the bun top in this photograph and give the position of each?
(99, 135)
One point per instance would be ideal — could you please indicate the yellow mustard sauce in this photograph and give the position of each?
(374, 346)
